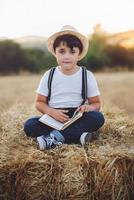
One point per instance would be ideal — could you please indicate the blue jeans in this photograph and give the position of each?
(89, 122)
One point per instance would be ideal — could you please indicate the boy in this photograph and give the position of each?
(68, 46)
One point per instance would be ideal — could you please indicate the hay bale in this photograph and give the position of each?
(102, 170)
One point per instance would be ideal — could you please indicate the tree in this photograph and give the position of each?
(37, 60)
(96, 57)
(12, 57)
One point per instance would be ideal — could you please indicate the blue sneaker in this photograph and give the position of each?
(55, 138)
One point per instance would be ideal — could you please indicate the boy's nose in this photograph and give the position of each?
(66, 59)
(67, 56)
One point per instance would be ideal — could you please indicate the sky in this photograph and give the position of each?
(44, 17)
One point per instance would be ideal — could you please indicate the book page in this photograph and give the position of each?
(73, 119)
(50, 121)
(75, 113)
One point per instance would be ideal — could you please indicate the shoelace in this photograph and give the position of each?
(51, 141)
(54, 141)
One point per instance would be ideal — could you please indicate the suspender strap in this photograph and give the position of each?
(84, 85)
(50, 81)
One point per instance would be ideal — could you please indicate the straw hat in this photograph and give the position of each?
(67, 29)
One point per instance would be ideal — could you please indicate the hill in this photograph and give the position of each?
(36, 42)
(125, 39)
(3, 38)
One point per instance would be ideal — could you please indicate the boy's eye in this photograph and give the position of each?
(61, 51)
(73, 51)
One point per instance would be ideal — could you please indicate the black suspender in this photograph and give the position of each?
(50, 81)
(84, 83)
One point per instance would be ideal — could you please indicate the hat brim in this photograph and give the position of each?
(81, 37)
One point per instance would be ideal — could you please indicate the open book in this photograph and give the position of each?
(50, 121)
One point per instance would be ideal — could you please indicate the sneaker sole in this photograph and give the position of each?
(42, 144)
(82, 138)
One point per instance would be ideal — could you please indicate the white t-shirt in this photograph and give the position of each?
(66, 89)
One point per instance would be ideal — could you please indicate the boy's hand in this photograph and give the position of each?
(85, 108)
(60, 115)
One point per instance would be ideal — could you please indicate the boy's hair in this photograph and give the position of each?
(70, 40)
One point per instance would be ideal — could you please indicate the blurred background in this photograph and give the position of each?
(25, 26)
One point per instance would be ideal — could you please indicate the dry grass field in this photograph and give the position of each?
(116, 90)
(103, 170)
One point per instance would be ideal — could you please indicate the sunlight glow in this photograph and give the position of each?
(43, 17)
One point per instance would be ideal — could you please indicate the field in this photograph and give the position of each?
(102, 170)
(116, 90)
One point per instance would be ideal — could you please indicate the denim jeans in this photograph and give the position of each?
(89, 122)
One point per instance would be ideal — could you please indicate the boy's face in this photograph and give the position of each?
(66, 57)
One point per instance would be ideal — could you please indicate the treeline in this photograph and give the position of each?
(101, 55)
(14, 59)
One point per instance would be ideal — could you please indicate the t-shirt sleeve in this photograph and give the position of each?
(92, 86)
(43, 87)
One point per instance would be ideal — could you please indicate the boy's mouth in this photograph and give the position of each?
(66, 62)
